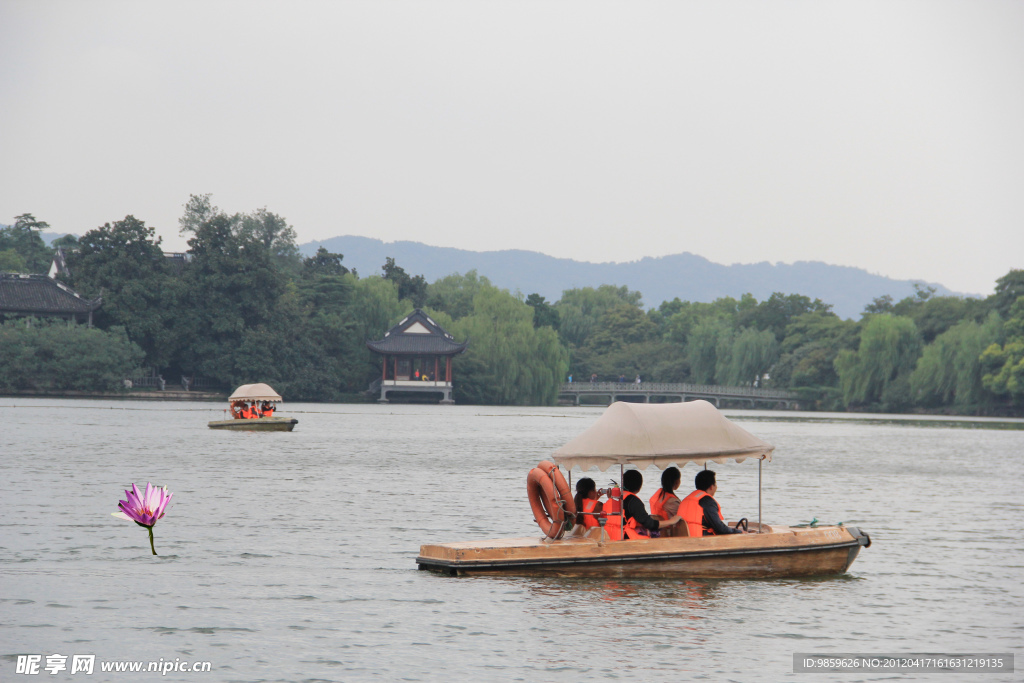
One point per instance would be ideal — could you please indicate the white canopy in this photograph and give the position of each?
(660, 434)
(255, 392)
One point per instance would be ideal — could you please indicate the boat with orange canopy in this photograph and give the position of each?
(246, 405)
(645, 435)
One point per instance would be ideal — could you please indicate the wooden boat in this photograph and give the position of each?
(659, 435)
(254, 392)
(262, 424)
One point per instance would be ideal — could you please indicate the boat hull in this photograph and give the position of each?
(263, 424)
(782, 552)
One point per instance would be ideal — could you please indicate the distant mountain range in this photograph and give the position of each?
(687, 276)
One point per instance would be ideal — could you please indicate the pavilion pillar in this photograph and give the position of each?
(384, 370)
(448, 369)
(395, 359)
(435, 368)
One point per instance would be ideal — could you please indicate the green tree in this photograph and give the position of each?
(276, 236)
(55, 356)
(580, 309)
(949, 371)
(454, 293)
(69, 242)
(230, 285)
(12, 262)
(620, 326)
(809, 350)
(941, 313)
(777, 311)
(324, 285)
(1008, 289)
(199, 209)
(509, 361)
(707, 339)
(1004, 363)
(413, 288)
(323, 263)
(24, 239)
(752, 355)
(880, 304)
(879, 370)
(544, 314)
(123, 263)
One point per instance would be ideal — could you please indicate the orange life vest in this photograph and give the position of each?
(658, 503)
(246, 412)
(632, 526)
(589, 521)
(693, 514)
(613, 521)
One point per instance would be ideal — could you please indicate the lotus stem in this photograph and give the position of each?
(151, 546)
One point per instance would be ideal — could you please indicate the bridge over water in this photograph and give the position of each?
(643, 392)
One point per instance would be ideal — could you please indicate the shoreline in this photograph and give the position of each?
(121, 395)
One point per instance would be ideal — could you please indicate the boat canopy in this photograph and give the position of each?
(643, 434)
(255, 392)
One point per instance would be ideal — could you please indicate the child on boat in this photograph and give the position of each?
(586, 502)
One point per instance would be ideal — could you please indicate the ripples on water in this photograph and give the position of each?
(290, 557)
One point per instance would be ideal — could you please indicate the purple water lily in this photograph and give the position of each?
(144, 508)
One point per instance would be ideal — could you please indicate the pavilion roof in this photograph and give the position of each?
(417, 334)
(41, 295)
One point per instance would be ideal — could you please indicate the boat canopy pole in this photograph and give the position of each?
(622, 499)
(760, 460)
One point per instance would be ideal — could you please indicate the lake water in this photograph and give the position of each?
(291, 556)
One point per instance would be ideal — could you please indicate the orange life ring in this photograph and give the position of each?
(550, 499)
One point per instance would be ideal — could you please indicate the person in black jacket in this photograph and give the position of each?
(633, 508)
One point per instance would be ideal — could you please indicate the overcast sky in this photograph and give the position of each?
(883, 135)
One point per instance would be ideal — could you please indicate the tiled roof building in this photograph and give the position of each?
(417, 357)
(43, 297)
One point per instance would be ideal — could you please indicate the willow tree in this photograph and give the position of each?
(879, 370)
(751, 356)
(702, 349)
(949, 371)
(508, 361)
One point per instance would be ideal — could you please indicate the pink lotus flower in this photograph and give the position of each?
(144, 509)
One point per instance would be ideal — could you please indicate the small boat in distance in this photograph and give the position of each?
(252, 408)
(642, 435)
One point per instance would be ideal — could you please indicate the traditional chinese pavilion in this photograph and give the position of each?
(39, 296)
(417, 358)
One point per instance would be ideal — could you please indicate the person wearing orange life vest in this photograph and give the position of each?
(587, 502)
(701, 511)
(246, 411)
(267, 409)
(639, 524)
(665, 503)
(612, 510)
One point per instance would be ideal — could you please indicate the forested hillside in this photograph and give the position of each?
(246, 306)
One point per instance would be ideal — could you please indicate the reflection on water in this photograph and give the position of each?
(292, 556)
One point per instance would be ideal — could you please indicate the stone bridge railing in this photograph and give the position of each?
(647, 390)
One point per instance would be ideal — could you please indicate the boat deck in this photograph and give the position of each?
(271, 424)
(777, 551)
